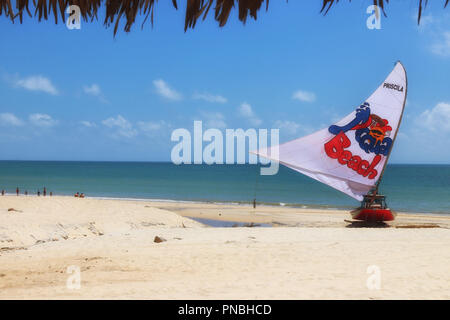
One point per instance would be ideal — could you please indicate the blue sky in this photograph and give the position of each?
(85, 95)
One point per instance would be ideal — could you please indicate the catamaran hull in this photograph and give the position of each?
(370, 214)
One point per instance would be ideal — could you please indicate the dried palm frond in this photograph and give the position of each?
(329, 3)
(115, 10)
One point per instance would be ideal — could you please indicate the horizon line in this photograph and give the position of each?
(166, 161)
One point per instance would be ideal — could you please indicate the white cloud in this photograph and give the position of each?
(94, 90)
(286, 126)
(163, 89)
(88, 124)
(245, 110)
(402, 136)
(37, 83)
(436, 119)
(437, 31)
(150, 126)
(425, 21)
(214, 120)
(304, 96)
(442, 46)
(210, 97)
(123, 126)
(10, 119)
(119, 121)
(255, 121)
(42, 120)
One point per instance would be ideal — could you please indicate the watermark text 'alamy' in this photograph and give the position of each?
(236, 150)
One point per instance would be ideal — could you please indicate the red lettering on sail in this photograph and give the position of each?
(371, 173)
(335, 149)
(336, 146)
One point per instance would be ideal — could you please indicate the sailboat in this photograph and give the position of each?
(351, 155)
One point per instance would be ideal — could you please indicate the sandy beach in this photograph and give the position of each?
(307, 254)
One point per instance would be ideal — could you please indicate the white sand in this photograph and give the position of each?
(111, 241)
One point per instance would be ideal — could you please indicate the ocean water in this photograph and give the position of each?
(417, 188)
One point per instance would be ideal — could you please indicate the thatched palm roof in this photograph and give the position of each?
(115, 10)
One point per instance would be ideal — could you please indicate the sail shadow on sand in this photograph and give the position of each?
(367, 224)
(382, 224)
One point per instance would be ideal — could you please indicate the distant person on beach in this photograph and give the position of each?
(39, 193)
(82, 195)
(3, 192)
(45, 192)
(51, 193)
(26, 192)
(17, 190)
(77, 195)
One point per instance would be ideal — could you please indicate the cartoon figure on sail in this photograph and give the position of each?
(352, 154)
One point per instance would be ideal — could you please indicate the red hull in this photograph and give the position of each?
(373, 214)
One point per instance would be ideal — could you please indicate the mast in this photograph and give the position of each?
(396, 131)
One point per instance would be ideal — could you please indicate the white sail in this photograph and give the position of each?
(350, 155)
